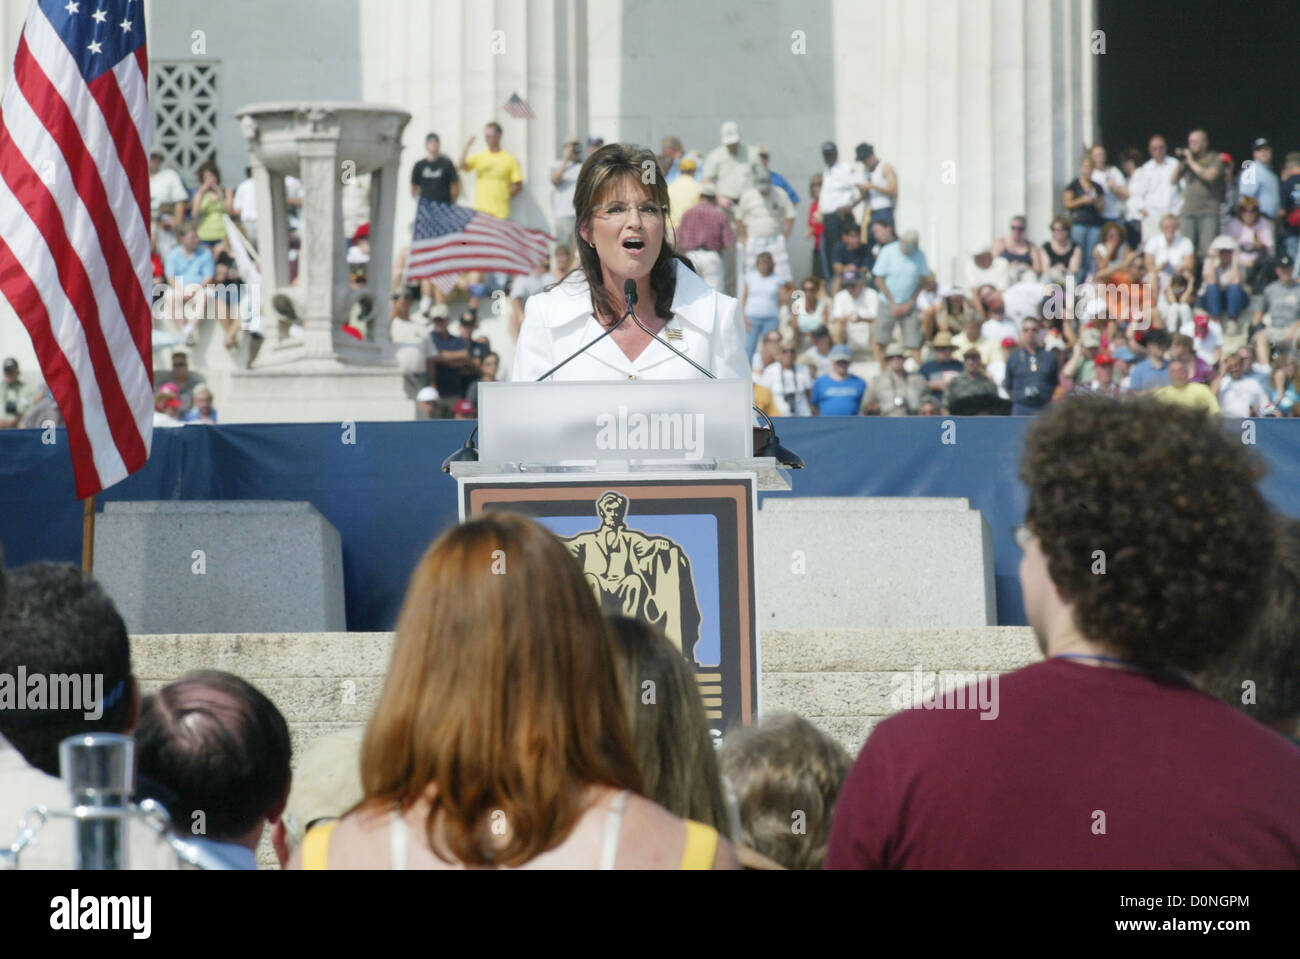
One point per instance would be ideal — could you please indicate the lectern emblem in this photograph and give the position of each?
(640, 575)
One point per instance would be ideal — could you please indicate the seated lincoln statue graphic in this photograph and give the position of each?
(638, 575)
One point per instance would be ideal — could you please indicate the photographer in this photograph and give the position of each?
(15, 397)
(1203, 190)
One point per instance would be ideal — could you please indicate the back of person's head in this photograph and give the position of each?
(786, 774)
(672, 737)
(61, 632)
(222, 749)
(1169, 504)
(503, 695)
(1261, 676)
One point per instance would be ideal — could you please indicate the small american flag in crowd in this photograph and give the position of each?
(74, 224)
(518, 107)
(449, 240)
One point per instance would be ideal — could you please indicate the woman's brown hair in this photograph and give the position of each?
(671, 732)
(1111, 228)
(597, 178)
(503, 694)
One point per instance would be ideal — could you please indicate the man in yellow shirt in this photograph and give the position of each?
(497, 173)
(1181, 390)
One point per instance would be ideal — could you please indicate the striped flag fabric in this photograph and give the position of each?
(448, 240)
(518, 107)
(74, 224)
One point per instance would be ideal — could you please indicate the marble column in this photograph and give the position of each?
(981, 106)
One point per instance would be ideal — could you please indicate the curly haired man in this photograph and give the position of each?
(1144, 544)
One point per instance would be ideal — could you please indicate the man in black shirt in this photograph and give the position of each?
(435, 176)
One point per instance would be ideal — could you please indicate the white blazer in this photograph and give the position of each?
(561, 321)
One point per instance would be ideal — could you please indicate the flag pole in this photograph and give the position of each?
(88, 534)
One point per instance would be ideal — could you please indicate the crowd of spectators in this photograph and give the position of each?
(1143, 254)
(1174, 276)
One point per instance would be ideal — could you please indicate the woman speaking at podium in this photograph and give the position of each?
(620, 225)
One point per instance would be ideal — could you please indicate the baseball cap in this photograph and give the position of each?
(11, 365)
(594, 142)
(1009, 341)
(427, 394)
(1104, 359)
(820, 331)
(730, 132)
(463, 406)
(326, 780)
(851, 277)
(439, 311)
(686, 164)
(841, 353)
(1125, 354)
(362, 233)
(762, 150)
(172, 392)
(571, 139)
(1285, 261)
(708, 190)
(863, 150)
(830, 147)
(893, 350)
(1223, 242)
(1260, 143)
(1091, 336)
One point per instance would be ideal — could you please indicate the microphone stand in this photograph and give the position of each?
(765, 438)
(469, 452)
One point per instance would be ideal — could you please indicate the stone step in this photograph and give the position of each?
(997, 648)
(354, 655)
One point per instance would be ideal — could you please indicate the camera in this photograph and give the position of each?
(11, 408)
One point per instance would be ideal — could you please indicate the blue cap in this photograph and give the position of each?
(1124, 353)
(841, 352)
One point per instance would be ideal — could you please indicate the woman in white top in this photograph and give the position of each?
(620, 224)
(501, 737)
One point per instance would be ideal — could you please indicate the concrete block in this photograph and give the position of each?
(846, 563)
(221, 567)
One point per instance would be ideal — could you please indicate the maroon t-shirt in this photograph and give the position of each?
(1182, 779)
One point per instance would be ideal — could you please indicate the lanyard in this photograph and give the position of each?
(1127, 664)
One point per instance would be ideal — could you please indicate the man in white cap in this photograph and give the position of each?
(426, 403)
(730, 168)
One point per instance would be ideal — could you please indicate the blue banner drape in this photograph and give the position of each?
(382, 487)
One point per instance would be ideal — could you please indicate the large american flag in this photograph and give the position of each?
(74, 224)
(449, 240)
